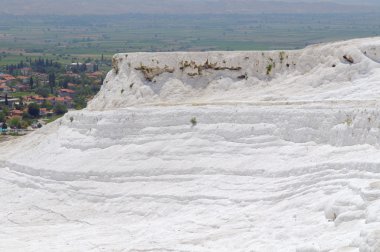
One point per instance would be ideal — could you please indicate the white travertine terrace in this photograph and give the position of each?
(284, 156)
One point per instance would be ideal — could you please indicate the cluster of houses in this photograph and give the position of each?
(66, 100)
(65, 97)
(21, 82)
(10, 83)
(25, 79)
(18, 90)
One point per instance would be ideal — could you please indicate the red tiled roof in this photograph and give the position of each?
(60, 99)
(72, 84)
(7, 77)
(66, 90)
(16, 112)
(98, 73)
(54, 98)
(38, 98)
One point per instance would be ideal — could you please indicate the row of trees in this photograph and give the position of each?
(39, 65)
(45, 66)
(12, 68)
(34, 109)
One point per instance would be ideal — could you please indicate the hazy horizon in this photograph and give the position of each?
(82, 7)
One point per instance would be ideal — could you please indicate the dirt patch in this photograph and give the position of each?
(151, 72)
(205, 66)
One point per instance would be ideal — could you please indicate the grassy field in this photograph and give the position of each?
(21, 94)
(15, 57)
(75, 38)
(52, 119)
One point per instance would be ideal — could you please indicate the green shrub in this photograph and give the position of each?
(5, 110)
(269, 69)
(2, 117)
(47, 104)
(34, 109)
(282, 57)
(193, 121)
(24, 124)
(60, 109)
(15, 122)
(44, 92)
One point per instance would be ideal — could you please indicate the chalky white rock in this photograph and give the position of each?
(211, 151)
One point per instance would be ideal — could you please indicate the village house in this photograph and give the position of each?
(67, 101)
(11, 101)
(41, 77)
(7, 78)
(26, 71)
(54, 100)
(36, 99)
(4, 87)
(23, 79)
(21, 87)
(16, 112)
(66, 92)
(95, 75)
(72, 85)
(45, 112)
(90, 67)
(72, 75)
(86, 67)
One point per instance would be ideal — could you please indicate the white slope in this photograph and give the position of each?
(279, 160)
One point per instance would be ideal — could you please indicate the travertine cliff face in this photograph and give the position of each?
(217, 151)
(322, 72)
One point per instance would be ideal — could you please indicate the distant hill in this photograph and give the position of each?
(79, 7)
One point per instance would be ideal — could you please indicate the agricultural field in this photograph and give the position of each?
(74, 38)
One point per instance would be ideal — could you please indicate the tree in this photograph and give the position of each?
(24, 124)
(34, 109)
(21, 102)
(5, 110)
(6, 102)
(26, 116)
(80, 102)
(31, 82)
(2, 117)
(52, 82)
(60, 109)
(15, 122)
(47, 104)
(44, 92)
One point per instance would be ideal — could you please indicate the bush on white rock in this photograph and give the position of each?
(284, 156)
